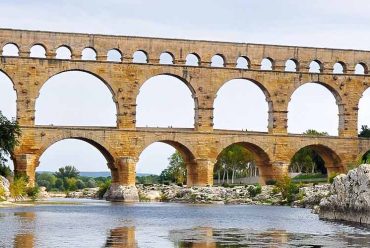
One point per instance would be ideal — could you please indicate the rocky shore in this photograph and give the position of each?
(349, 198)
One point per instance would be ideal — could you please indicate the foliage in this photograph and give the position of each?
(2, 193)
(310, 176)
(313, 132)
(365, 132)
(5, 171)
(254, 190)
(18, 187)
(70, 183)
(80, 184)
(176, 171)
(287, 188)
(332, 176)
(150, 179)
(68, 171)
(33, 192)
(270, 182)
(235, 161)
(103, 187)
(46, 180)
(9, 134)
(307, 160)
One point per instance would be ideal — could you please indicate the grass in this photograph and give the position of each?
(311, 178)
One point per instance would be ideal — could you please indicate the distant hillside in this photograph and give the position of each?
(97, 173)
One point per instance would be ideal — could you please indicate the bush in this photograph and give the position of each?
(254, 190)
(270, 182)
(18, 187)
(33, 192)
(2, 193)
(80, 184)
(91, 183)
(332, 176)
(59, 184)
(103, 188)
(287, 188)
(5, 171)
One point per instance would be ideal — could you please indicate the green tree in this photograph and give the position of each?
(176, 171)
(5, 171)
(9, 134)
(234, 159)
(46, 179)
(68, 171)
(365, 132)
(59, 184)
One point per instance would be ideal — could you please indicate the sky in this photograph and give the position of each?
(239, 103)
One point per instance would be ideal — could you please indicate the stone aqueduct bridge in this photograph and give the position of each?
(201, 145)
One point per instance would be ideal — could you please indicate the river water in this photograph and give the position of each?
(89, 223)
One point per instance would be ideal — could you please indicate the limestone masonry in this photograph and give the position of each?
(200, 145)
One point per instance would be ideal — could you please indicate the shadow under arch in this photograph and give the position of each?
(85, 72)
(333, 91)
(175, 76)
(264, 90)
(262, 159)
(333, 163)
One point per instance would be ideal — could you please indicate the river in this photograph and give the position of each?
(90, 223)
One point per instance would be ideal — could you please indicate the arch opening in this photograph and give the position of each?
(75, 98)
(192, 60)
(114, 55)
(314, 163)
(361, 69)
(8, 97)
(140, 57)
(166, 58)
(218, 61)
(339, 68)
(165, 101)
(242, 63)
(315, 67)
(364, 110)
(63, 52)
(313, 106)
(291, 65)
(242, 104)
(38, 51)
(88, 54)
(164, 161)
(89, 158)
(267, 64)
(242, 163)
(10, 49)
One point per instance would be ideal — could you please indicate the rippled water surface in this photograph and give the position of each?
(101, 224)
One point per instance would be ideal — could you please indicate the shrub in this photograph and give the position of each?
(332, 176)
(254, 190)
(287, 188)
(5, 171)
(270, 182)
(80, 184)
(18, 187)
(33, 192)
(103, 188)
(2, 193)
(91, 183)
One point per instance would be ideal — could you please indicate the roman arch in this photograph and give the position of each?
(121, 145)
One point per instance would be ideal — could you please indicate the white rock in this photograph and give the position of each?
(122, 193)
(350, 197)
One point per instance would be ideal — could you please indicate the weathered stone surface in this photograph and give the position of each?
(122, 193)
(312, 195)
(5, 184)
(350, 197)
(84, 193)
(43, 193)
(200, 145)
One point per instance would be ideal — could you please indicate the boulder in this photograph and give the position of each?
(122, 193)
(5, 184)
(349, 197)
(43, 193)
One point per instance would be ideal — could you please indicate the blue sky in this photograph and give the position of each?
(331, 23)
